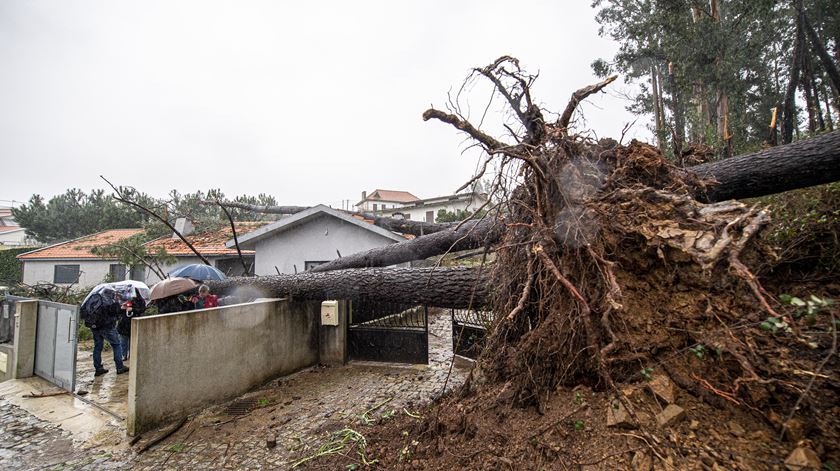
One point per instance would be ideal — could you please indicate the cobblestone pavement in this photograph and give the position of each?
(297, 412)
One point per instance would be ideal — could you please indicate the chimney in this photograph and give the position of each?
(184, 226)
(364, 195)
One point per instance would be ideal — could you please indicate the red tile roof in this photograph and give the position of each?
(208, 243)
(392, 195)
(81, 247)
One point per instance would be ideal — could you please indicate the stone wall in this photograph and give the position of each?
(182, 362)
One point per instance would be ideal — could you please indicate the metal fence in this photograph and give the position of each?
(469, 331)
(388, 332)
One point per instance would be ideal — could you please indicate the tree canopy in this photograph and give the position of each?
(714, 71)
(77, 213)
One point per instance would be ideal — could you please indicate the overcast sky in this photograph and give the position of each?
(311, 102)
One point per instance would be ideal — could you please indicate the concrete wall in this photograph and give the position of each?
(184, 361)
(91, 272)
(26, 323)
(316, 240)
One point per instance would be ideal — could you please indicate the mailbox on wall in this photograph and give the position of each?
(329, 313)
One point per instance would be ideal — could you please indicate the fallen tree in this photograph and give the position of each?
(455, 287)
(805, 163)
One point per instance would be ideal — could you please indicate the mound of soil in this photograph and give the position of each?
(631, 333)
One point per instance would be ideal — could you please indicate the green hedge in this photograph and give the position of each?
(11, 269)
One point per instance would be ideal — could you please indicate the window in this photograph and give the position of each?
(116, 271)
(430, 216)
(138, 273)
(407, 215)
(310, 265)
(66, 274)
(374, 206)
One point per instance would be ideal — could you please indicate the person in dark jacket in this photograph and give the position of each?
(135, 307)
(102, 323)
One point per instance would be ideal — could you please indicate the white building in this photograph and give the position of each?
(304, 240)
(74, 263)
(14, 236)
(11, 234)
(404, 204)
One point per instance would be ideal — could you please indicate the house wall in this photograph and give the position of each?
(185, 361)
(91, 272)
(315, 240)
(16, 238)
(419, 213)
(367, 205)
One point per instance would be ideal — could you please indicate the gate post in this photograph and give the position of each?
(26, 323)
(333, 351)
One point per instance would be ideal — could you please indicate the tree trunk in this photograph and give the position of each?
(789, 120)
(657, 118)
(471, 235)
(807, 91)
(806, 163)
(405, 226)
(456, 287)
(829, 121)
(817, 108)
(677, 112)
(825, 59)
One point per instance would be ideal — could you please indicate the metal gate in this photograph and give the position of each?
(55, 343)
(469, 331)
(388, 332)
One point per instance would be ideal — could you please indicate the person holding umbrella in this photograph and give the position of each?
(100, 315)
(135, 306)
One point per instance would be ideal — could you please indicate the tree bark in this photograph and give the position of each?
(456, 287)
(805, 163)
(470, 235)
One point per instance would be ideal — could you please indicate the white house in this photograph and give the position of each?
(383, 200)
(404, 204)
(14, 236)
(304, 240)
(74, 263)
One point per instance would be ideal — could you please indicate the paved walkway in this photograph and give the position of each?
(267, 428)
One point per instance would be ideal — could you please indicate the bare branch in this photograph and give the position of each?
(235, 238)
(119, 197)
(579, 96)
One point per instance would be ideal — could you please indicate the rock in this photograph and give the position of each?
(662, 387)
(694, 425)
(271, 442)
(641, 461)
(736, 429)
(617, 416)
(671, 415)
(802, 459)
(794, 430)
